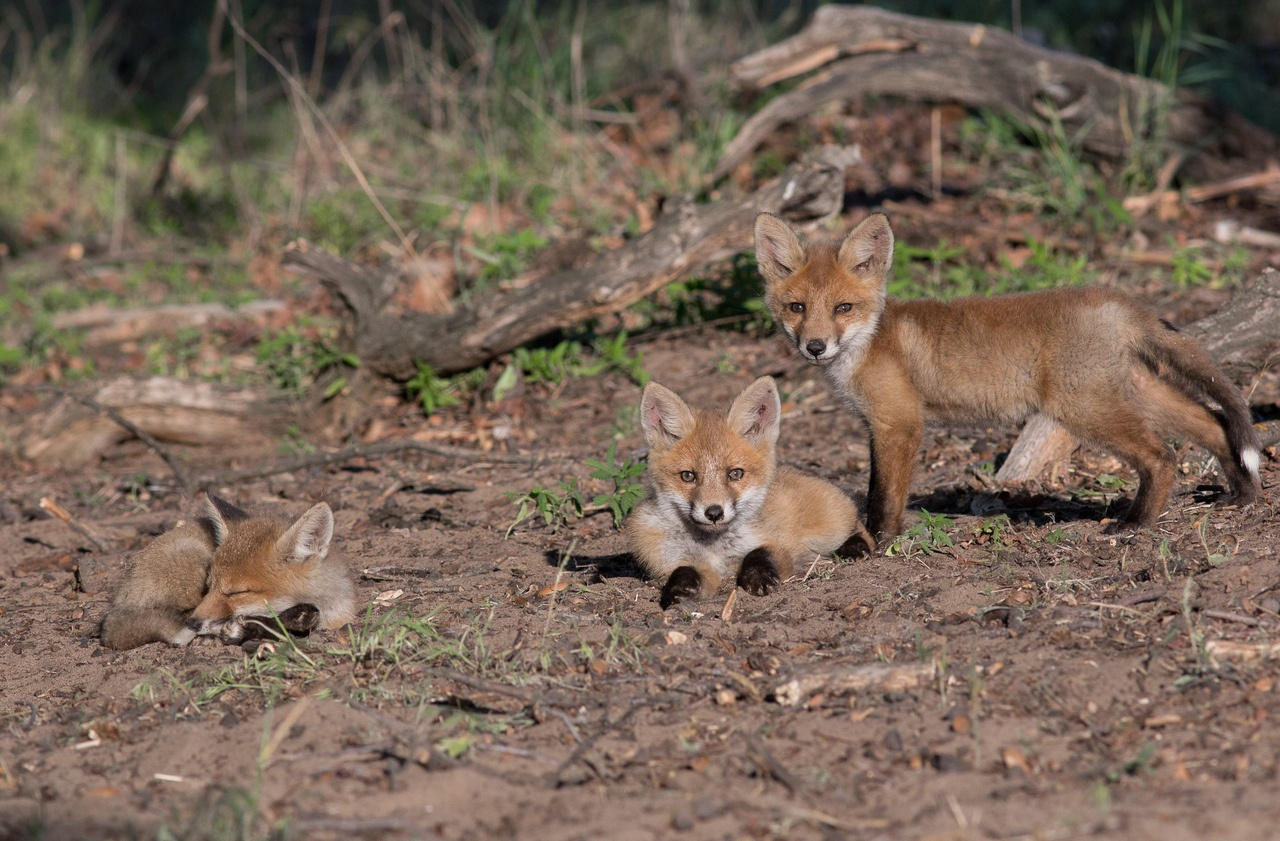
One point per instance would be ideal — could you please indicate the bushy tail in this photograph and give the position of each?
(1186, 366)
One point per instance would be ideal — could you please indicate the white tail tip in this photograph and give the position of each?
(1251, 461)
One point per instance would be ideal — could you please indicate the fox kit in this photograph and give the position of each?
(718, 504)
(1098, 363)
(264, 565)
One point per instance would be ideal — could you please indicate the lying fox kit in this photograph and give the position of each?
(224, 572)
(718, 506)
(264, 566)
(1097, 362)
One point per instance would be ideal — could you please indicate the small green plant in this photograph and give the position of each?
(294, 442)
(432, 391)
(927, 536)
(992, 531)
(293, 361)
(550, 365)
(557, 507)
(1056, 536)
(1188, 269)
(611, 355)
(626, 492)
(505, 255)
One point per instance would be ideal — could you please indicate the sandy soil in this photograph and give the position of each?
(1072, 691)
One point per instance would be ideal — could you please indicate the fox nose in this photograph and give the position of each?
(194, 624)
(714, 513)
(815, 347)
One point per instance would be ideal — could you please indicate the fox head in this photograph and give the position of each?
(711, 469)
(261, 566)
(827, 297)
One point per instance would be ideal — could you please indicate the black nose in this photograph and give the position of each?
(714, 513)
(194, 624)
(815, 347)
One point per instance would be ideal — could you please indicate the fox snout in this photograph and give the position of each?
(712, 516)
(815, 348)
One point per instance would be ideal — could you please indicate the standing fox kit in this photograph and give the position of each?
(222, 567)
(1097, 362)
(719, 506)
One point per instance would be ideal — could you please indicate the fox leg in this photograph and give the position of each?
(683, 583)
(1123, 431)
(894, 447)
(859, 543)
(763, 569)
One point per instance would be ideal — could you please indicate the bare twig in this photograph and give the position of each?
(179, 475)
(769, 764)
(65, 516)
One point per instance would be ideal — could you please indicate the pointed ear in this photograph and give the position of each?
(868, 249)
(756, 413)
(664, 417)
(218, 512)
(778, 249)
(308, 538)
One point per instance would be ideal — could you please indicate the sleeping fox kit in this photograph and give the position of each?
(719, 506)
(224, 572)
(1097, 362)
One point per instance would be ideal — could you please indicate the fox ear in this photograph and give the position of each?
(756, 413)
(308, 538)
(778, 249)
(219, 512)
(868, 249)
(664, 417)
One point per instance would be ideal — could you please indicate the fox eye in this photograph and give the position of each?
(796, 307)
(863, 266)
(841, 309)
(687, 476)
(735, 474)
(230, 593)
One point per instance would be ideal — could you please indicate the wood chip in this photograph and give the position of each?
(1015, 758)
(676, 638)
(726, 613)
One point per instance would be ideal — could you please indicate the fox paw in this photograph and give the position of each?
(683, 583)
(859, 543)
(758, 574)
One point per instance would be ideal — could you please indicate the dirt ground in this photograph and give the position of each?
(531, 687)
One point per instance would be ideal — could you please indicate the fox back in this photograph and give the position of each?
(265, 565)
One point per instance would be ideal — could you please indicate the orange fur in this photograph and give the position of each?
(1094, 360)
(719, 507)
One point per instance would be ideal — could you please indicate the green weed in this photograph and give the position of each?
(292, 361)
(505, 255)
(626, 492)
(435, 392)
(927, 536)
(557, 507)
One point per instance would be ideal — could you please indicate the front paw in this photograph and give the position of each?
(683, 583)
(858, 544)
(758, 574)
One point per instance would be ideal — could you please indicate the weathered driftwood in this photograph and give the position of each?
(70, 434)
(883, 53)
(1243, 337)
(845, 678)
(683, 240)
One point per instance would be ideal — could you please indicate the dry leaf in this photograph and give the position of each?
(553, 588)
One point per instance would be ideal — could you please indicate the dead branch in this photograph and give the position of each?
(845, 678)
(65, 516)
(880, 53)
(685, 238)
(1243, 337)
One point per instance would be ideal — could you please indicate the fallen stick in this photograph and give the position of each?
(1232, 650)
(844, 678)
(65, 516)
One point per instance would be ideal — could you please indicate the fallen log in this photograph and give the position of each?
(1243, 338)
(684, 239)
(880, 53)
(104, 325)
(71, 433)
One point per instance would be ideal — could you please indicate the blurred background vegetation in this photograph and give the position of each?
(170, 150)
